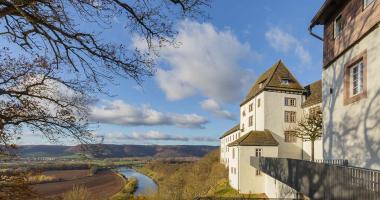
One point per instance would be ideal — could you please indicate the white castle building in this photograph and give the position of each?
(272, 107)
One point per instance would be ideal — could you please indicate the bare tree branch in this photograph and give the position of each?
(309, 128)
(55, 24)
(34, 97)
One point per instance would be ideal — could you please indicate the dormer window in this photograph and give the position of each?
(338, 26)
(285, 81)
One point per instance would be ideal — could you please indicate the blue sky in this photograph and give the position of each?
(195, 95)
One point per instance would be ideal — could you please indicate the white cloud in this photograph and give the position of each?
(206, 62)
(121, 113)
(285, 42)
(216, 109)
(151, 135)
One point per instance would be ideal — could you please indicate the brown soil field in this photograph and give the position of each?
(102, 185)
(67, 174)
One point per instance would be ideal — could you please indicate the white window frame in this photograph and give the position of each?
(357, 79)
(290, 101)
(290, 117)
(258, 152)
(289, 137)
(367, 3)
(336, 34)
(250, 107)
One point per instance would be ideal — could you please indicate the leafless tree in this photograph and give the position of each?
(56, 27)
(309, 128)
(35, 98)
(54, 33)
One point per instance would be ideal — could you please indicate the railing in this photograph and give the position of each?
(333, 162)
(322, 181)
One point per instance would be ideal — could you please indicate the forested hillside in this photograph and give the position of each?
(115, 151)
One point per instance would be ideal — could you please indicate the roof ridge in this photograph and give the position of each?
(312, 82)
(245, 137)
(271, 75)
(230, 131)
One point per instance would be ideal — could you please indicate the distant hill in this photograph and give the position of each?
(115, 151)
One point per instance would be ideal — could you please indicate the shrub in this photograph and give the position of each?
(127, 192)
(36, 179)
(77, 193)
(187, 180)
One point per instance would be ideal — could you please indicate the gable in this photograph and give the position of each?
(313, 94)
(274, 79)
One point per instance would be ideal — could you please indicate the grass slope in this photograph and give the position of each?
(203, 178)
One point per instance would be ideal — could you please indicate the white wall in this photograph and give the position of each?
(277, 189)
(234, 163)
(257, 113)
(274, 121)
(249, 183)
(225, 151)
(352, 131)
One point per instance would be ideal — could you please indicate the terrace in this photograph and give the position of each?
(322, 180)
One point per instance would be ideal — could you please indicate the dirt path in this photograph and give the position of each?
(102, 185)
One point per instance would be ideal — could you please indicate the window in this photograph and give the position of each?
(367, 3)
(290, 101)
(258, 103)
(338, 26)
(250, 121)
(243, 113)
(258, 172)
(232, 170)
(285, 81)
(290, 116)
(242, 128)
(250, 108)
(259, 152)
(233, 153)
(355, 79)
(290, 137)
(356, 73)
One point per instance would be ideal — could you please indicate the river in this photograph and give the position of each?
(144, 183)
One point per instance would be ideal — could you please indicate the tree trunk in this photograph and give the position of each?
(312, 150)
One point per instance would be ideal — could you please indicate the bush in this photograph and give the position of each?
(187, 180)
(36, 179)
(127, 192)
(77, 193)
